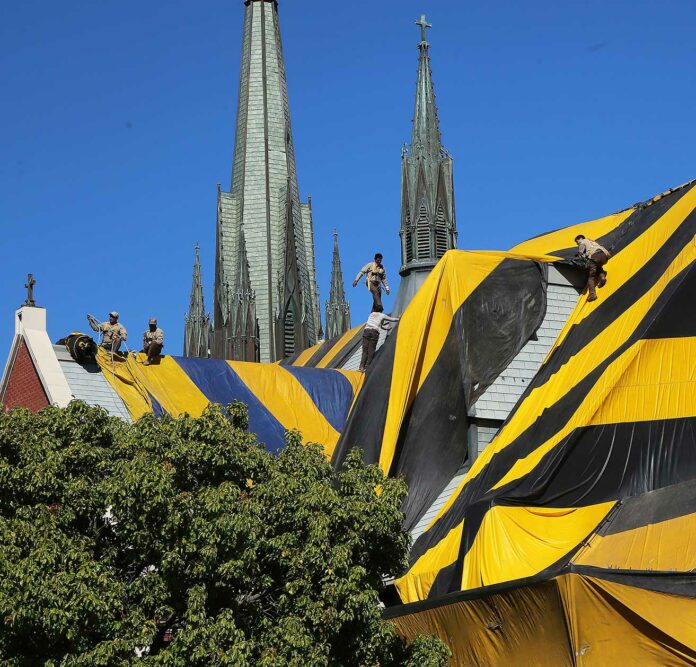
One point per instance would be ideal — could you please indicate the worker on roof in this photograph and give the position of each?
(153, 341)
(596, 257)
(375, 322)
(375, 278)
(113, 333)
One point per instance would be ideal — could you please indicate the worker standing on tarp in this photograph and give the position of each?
(596, 257)
(153, 341)
(113, 333)
(377, 321)
(375, 278)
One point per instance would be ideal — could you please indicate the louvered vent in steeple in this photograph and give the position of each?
(289, 334)
(423, 233)
(441, 234)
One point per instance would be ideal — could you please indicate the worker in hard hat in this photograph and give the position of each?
(113, 333)
(153, 341)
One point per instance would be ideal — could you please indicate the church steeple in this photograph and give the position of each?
(197, 328)
(425, 138)
(264, 188)
(337, 308)
(428, 224)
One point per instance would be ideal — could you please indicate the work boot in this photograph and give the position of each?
(592, 296)
(602, 280)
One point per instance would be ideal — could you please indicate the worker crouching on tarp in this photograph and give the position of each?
(375, 322)
(113, 333)
(596, 256)
(376, 278)
(153, 342)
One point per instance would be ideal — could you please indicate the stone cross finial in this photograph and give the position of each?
(30, 291)
(424, 25)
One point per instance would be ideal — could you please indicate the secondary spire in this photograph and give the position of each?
(428, 227)
(197, 330)
(337, 308)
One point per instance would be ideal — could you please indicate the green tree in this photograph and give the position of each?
(183, 542)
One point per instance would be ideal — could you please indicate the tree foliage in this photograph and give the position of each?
(183, 542)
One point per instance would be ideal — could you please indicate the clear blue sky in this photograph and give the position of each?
(117, 122)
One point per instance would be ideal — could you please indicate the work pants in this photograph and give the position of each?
(369, 345)
(112, 346)
(597, 275)
(376, 291)
(153, 350)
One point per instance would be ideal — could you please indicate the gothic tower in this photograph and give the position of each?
(337, 308)
(262, 214)
(197, 327)
(428, 224)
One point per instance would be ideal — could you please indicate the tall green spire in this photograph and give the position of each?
(264, 191)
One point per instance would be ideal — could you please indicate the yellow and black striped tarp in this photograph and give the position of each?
(332, 353)
(469, 319)
(571, 538)
(609, 414)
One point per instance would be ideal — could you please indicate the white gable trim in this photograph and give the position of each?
(30, 324)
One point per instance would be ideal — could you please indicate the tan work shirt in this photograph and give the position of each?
(112, 331)
(156, 336)
(588, 247)
(375, 273)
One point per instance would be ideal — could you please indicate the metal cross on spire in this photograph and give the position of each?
(424, 25)
(30, 291)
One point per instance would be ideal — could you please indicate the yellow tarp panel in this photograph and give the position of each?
(129, 386)
(512, 543)
(524, 627)
(564, 238)
(660, 383)
(306, 355)
(613, 624)
(518, 542)
(571, 620)
(667, 546)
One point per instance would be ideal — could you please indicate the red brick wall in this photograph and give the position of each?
(24, 388)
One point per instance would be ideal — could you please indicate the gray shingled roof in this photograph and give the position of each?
(88, 384)
(499, 399)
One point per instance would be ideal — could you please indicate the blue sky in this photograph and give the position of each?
(118, 119)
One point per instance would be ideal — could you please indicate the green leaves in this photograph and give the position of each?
(183, 542)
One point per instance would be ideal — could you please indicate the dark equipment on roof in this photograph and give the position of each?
(82, 348)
